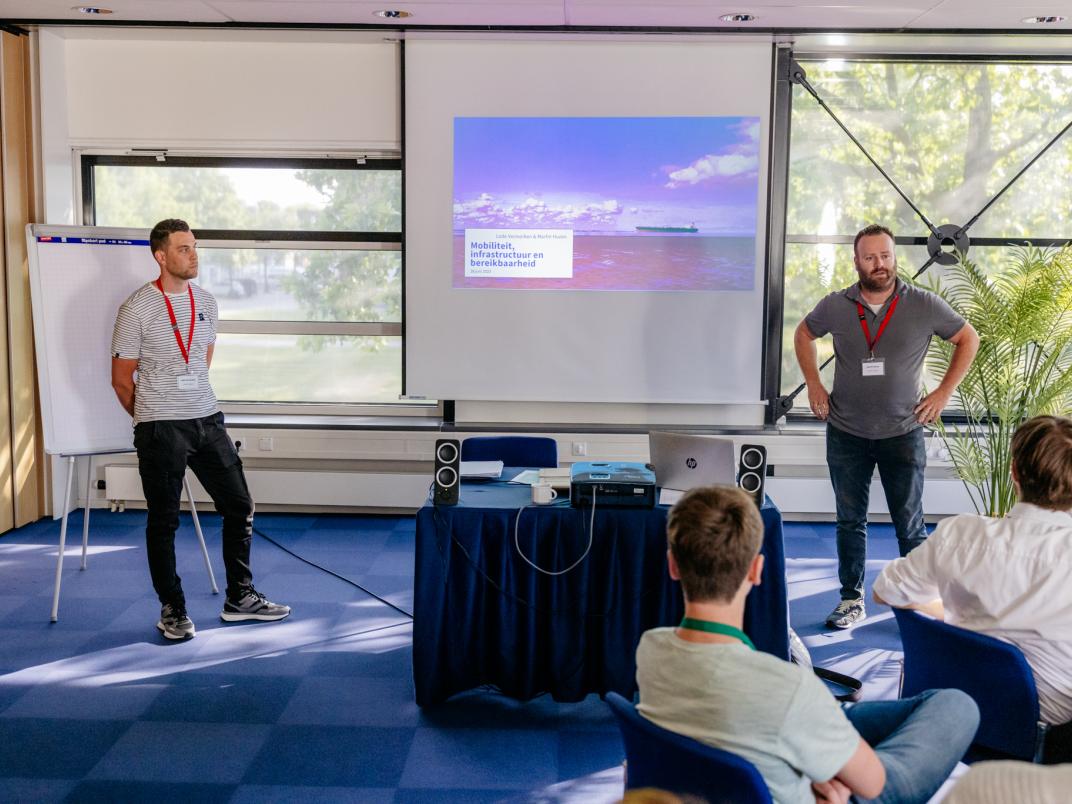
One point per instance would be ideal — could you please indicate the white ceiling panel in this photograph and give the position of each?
(1022, 7)
(967, 14)
(524, 12)
(673, 15)
(978, 15)
(751, 6)
(147, 10)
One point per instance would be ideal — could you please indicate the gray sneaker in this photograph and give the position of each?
(847, 613)
(174, 624)
(252, 606)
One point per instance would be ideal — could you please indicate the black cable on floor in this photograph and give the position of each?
(343, 578)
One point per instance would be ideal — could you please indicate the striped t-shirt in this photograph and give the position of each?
(143, 332)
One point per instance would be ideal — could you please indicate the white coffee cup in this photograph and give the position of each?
(542, 493)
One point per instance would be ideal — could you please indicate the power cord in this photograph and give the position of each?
(343, 578)
(442, 543)
(584, 555)
(444, 537)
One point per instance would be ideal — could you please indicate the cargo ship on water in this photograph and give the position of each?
(674, 229)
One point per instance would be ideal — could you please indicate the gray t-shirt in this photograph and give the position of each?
(880, 406)
(776, 715)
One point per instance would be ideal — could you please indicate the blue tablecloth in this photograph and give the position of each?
(482, 616)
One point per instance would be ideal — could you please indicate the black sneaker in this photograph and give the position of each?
(847, 613)
(174, 624)
(252, 606)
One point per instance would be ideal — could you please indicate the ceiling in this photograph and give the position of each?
(839, 15)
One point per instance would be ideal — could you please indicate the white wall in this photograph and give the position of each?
(241, 92)
(236, 92)
(298, 91)
(316, 93)
(394, 468)
(57, 170)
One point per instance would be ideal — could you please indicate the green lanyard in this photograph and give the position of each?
(716, 628)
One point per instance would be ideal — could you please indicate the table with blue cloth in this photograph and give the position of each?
(483, 616)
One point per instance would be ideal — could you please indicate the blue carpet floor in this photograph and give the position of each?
(319, 707)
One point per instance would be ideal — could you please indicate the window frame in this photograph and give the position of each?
(782, 112)
(88, 160)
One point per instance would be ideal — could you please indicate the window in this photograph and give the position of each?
(304, 257)
(949, 151)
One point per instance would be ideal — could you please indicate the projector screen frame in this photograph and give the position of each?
(758, 317)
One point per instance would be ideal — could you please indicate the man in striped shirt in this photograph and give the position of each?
(165, 332)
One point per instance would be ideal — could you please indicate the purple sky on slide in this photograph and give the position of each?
(606, 175)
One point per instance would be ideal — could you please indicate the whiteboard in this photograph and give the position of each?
(79, 275)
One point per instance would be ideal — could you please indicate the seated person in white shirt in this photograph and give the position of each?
(1009, 578)
(704, 679)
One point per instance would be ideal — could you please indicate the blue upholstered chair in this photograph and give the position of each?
(659, 758)
(538, 452)
(994, 673)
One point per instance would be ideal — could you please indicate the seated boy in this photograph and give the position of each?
(703, 679)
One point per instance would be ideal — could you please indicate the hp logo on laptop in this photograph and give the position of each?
(691, 463)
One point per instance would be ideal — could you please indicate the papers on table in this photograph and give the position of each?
(558, 477)
(527, 477)
(488, 470)
(669, 496)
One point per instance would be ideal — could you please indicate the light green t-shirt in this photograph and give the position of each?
(777, 715)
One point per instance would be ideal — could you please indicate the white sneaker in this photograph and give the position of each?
(253, 606)
(847, 613)
(174, 624)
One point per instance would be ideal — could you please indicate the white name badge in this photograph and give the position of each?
(874, 367)
(187, 382)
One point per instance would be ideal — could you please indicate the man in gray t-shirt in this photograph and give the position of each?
(881, 328)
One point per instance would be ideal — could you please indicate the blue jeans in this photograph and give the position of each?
(852, 460)
(919, 740)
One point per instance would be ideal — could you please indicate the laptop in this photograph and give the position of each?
(683, 462)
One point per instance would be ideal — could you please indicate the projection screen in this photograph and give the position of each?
(585, 220)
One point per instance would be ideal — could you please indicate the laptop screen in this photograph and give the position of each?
(684, 462)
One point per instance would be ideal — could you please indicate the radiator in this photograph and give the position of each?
(296, 487)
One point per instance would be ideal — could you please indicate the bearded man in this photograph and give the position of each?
(875, 415)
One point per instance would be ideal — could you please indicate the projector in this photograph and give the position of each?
(613, 484)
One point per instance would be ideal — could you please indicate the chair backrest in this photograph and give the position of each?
(659, 758)
(538, 452)
(994, 673)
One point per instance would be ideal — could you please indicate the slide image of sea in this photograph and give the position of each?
(600, 203)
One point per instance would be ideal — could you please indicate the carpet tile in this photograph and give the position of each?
(318, 707)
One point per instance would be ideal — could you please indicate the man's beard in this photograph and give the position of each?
(189, 272)
(868, 282)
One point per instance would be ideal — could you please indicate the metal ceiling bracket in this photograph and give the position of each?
(948, 234)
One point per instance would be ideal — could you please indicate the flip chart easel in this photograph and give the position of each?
(79, 275)
(70, 458)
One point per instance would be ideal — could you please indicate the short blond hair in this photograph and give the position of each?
(714, 533)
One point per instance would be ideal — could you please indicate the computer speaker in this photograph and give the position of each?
(752, 470)
(447, 471)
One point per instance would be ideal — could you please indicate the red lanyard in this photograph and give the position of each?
(881, 327)
(193, 317)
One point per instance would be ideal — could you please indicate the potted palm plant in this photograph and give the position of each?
(1023, 314)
